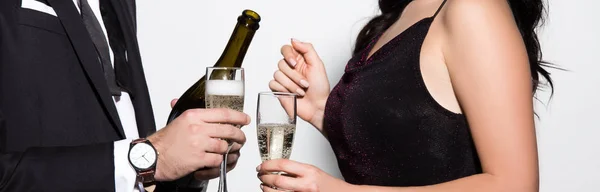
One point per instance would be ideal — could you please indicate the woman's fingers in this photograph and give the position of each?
(290, 55)
(292, 74)
(307, 51)
(284, 165)
(173, 102)
(280, 182)
(284, 80)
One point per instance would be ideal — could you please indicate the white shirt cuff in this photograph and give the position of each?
(125, 176)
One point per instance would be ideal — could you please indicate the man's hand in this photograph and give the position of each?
(193, 141)
(213, 172)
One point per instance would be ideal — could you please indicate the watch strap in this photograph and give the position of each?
(146, 176)
(140, 140)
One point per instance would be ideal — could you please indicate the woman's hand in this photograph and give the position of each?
(301, 71)
(298, 177)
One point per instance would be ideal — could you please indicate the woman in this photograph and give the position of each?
(437, 97)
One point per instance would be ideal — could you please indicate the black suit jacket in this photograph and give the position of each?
(58, 121)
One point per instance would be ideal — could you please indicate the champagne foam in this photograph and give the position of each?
(225, 87)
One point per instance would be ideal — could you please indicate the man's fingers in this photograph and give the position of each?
(207, 174)
(213, 172)
(222, 115)
(212, 159)
(232, 158)
(217, 146)
(235, 148)
(228, 132)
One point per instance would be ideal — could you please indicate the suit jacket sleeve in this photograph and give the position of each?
(66, 169)
(81, 168)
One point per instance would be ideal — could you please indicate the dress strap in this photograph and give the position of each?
(439, 9)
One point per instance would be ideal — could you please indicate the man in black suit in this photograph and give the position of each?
(74, 100)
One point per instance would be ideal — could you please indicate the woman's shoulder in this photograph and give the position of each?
(479, 28)
(465, 12)
(476, 19)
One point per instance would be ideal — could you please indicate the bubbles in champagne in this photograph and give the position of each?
(275, 140)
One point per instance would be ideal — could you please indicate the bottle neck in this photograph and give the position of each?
(236, 48)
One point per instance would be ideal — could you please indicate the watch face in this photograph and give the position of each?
(142, 156)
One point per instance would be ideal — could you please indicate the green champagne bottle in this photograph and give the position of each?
(232, 56)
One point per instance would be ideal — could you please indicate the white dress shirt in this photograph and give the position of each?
(125, 176)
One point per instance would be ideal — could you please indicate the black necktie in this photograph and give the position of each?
(93, 27)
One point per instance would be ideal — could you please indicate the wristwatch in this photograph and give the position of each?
(142, 157)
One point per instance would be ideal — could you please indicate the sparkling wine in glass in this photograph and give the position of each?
(225, 89)
(276, 119)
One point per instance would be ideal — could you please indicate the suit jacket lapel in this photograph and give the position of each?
(125, 10)
(126, 18)
(84, 48)
(129, 8)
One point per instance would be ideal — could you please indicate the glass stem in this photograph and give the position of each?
(223, 172)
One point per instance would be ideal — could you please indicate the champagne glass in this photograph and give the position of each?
(276, 119)
(225, 89)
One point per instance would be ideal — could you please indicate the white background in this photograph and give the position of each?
(179, 38)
